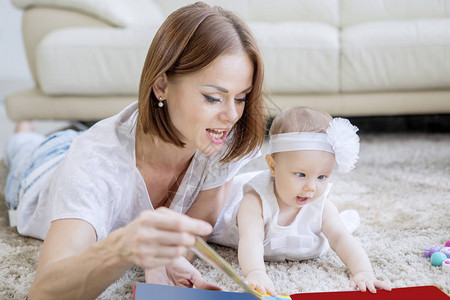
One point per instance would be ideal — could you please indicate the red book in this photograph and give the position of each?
(407, 293)
(148, 291)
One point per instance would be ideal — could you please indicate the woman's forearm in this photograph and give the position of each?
(73, 266)
(82, 276)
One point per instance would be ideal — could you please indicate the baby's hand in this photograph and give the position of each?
(366, 280)
(259, 281)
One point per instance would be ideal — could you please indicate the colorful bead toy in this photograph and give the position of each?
(439, 256)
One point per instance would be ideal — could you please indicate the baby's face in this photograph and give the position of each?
(301, 176)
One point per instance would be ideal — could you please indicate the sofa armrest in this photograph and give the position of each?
(119, 13)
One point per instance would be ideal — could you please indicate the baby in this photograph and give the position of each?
(285, 213)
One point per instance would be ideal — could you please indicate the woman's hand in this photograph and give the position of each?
(180, 273)
(160, 237)
(365, 280)
(260, 281)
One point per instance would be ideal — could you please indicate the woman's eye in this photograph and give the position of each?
(212, 99)
(241, 99)
(300, 174)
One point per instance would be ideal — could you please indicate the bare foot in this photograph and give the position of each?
(24, 126)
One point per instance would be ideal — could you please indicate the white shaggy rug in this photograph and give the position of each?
(401, 189)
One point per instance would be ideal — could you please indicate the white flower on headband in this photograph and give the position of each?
(345, 142)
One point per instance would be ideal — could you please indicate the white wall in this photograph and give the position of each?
(13, 62)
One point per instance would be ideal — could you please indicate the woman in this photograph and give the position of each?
(115, 198)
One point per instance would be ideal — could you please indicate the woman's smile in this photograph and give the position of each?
(217, 136)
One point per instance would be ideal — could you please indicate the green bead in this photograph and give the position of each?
(437, 258)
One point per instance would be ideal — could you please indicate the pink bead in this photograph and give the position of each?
(447, 244)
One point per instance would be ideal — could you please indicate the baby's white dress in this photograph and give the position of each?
(302, 239)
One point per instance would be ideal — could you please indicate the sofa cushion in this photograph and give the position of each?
(92, 61)
(299, 57)
(363, 11)
(396, 55)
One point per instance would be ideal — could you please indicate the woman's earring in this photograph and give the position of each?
(161, 103)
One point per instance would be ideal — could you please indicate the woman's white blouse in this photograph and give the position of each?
(98, 181)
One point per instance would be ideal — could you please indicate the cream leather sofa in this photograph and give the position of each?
(350, 57)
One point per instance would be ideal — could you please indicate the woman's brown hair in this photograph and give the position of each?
(189, 40)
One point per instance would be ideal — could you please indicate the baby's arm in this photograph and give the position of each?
(251, 248)
(349, 251)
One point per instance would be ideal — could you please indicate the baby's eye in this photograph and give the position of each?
(300, 174)
(322, 177)
(211, 99)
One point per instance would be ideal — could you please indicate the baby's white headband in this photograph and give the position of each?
(340, 138)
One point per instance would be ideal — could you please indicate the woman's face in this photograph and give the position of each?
(205, 105)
